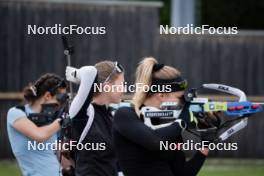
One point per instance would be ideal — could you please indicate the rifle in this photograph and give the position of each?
(236, 113)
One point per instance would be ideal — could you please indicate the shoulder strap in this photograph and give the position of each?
(22, 108)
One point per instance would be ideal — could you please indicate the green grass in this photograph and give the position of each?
(232, 167)
(212, 167)
(9, 168)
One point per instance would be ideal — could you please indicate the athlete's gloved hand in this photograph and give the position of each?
(208, 125)
(208, 135)
(72, 74)
(65, 122)
(209, 119)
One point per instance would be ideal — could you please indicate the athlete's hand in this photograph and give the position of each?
(210, 119)
(72, 74)
(205, 151)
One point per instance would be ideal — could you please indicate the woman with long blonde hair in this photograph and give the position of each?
(138, 145)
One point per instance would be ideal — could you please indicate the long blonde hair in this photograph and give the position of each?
(144, 75)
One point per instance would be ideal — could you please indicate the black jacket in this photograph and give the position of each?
(138, 148)
(101, 161)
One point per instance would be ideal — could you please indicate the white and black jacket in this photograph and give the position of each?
(92, 126)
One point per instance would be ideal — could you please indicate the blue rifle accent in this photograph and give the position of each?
(242, 108)
(232, 108)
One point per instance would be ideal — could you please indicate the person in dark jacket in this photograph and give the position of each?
(138, 145)
(91, 118)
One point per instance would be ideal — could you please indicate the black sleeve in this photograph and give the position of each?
(193, 166)
(128, 124)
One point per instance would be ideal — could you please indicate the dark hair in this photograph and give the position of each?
(46, 83)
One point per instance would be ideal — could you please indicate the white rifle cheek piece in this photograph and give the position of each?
(170, 115)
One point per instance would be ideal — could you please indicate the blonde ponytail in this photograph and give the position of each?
(145, 74)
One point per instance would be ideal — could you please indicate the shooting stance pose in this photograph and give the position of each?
(91, 117)
(138, 145)
(32, 123)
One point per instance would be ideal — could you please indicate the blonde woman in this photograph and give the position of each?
(137, 145)
(92, 120)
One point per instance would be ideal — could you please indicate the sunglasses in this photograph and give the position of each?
(182, 84)
(117, 69)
